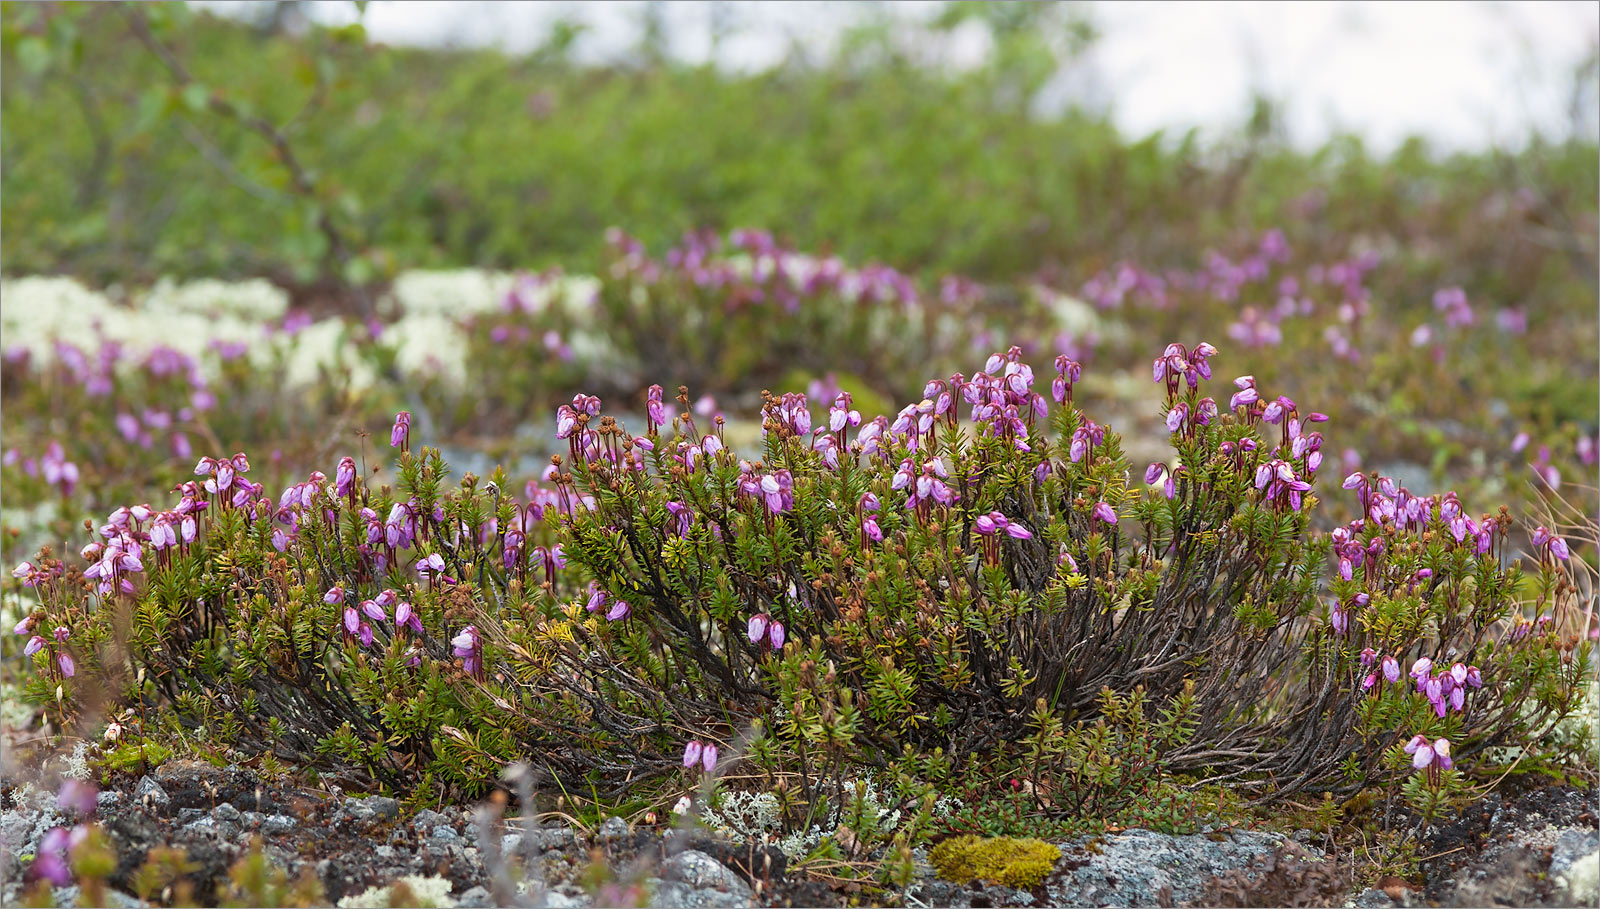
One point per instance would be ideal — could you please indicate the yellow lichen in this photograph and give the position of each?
(1002, 859)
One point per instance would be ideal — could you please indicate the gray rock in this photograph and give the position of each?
(386, 853)
(1370, 898)
(67, 896)
(427, 819)
(187, 816)
(548, 838)
(107, 799)
(251, 819)
(1144, 868)
(443, 833)
(278, 823)
(152, 795)
(226, 831)
(372, 809)
(116, 899)
(384, 807)
(1573, 845)
(677, 895)
(226, 812)
(511, 844)
(702, 872)
(555, 899)
(475, 898)
(613, 828)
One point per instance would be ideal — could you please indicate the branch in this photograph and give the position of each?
(339, 249)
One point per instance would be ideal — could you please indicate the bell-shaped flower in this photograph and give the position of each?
(1421, 751)
(757, 628)
(469, 647)
(1105, 512)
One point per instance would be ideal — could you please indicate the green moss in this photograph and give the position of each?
(132, 756)
(1002, 859)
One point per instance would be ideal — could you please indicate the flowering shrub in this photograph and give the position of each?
(976, 578)
(754, 312)
(1447, 387)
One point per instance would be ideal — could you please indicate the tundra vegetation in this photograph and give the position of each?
(848, 534)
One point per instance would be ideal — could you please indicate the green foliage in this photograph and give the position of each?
(426, 158)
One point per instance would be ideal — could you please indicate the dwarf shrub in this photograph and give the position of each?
(975, 584)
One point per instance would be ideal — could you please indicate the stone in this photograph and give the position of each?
(555, 899)
(1144, 868)
(278, 823)
(382, 807)
(1572, 846)
(475, 898)
(151, 795)
(1370, 898)
(443, 833)
(226, 812)
(548, 838)
(702, 872)
(187, 816)
(108, 798)
(427, 819)
(613, 828)
(678, 895)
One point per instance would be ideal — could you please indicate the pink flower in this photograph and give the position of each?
(870, 529)
(708, 758)
(400, 433)
(405, 616)
(344, 477)
(1421, 751)
(469, 647)
(619, 611)
(1391, 669)
(1105, 513)
(691, 754)
(757, 629)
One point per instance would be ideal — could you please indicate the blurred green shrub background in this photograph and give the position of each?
(114, 170)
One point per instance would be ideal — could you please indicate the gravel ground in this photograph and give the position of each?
(1534, 848)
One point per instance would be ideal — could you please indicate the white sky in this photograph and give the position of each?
(1462, 74)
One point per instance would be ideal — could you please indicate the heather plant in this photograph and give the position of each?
(1456, 388)
(979, 584)
(753, 311)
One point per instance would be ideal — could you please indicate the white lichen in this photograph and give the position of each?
(754, 817)
(1582, 880)
(76, 764)
(432, 890)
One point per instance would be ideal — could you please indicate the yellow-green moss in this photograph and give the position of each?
(1002, 859)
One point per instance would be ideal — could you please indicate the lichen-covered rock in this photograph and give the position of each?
(613, 829)
(1145, 868)
(702, 872)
